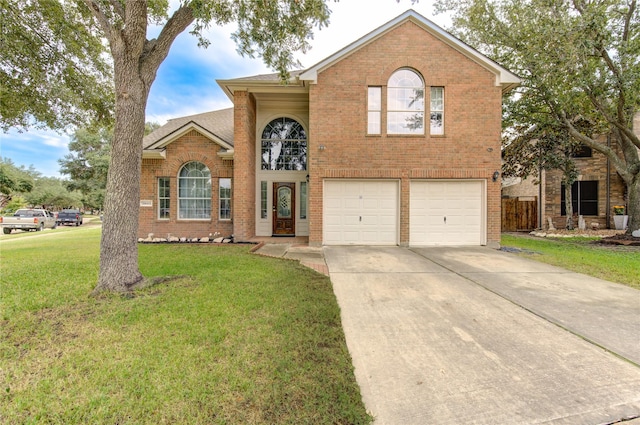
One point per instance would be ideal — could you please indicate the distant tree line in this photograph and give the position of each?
(86, 166)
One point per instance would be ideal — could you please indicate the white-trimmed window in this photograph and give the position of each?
(164, 198)
(303, 200)
(263, 199)
(437, 111)
(374, 110)
(284, 146)
(194, 192)
(224, 195)
(405, 103)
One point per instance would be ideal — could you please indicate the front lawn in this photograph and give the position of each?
(237, 339)
(581, 255)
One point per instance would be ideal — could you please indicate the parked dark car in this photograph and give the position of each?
(70, 217)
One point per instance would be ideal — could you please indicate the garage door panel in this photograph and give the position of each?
(360, 212)
(461, 202)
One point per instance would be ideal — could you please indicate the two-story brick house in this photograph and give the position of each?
(393, 140)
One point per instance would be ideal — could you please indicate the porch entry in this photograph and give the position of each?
(284, 209)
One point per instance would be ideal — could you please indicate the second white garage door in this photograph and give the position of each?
(447, 213)
(360, 212)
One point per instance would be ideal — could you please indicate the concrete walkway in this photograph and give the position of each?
(311, 257)
(479, 336)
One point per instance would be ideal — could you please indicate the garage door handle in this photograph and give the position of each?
(360, 218)
(445, 220)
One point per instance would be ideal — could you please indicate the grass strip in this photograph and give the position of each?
(615, 264)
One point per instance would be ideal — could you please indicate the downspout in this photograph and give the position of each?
(608, 210)
(540, 224)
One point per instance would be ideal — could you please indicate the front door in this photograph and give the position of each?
(284, 209)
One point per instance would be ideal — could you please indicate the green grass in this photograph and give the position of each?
(616, 264)
(237, 339)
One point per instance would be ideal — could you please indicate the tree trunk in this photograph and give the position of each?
(633, 204)
(118, 247)
(568, 205)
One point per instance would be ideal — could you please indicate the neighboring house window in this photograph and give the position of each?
(584, 198)
(405, 103)
(224, 194)
(437, 111)
(194, 191)
(284, 146)
(164, 197)
(583, 151)
(303, 200)
(263, 199)
(374, 108)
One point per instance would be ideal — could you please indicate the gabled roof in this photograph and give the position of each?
(215, 125)
(504, 77)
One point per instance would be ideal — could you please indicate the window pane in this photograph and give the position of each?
(405, 103)
(263, 199)
(375, 98)
(584, 198)
(284, 146)
(405, 123)
(194, 191)
(225, 199)
(303, 200)
(588, 197)
(163, 197)
(374, 107)
(437, 110)
(437, 121)
(373, 123)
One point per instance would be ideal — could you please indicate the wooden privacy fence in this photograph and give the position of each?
(519, 214)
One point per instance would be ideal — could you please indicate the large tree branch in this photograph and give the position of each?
(117, 6)
(620, 123)
(618, 164)
(103, 21)
(156, 50)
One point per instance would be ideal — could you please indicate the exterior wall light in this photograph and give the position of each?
(496, 174)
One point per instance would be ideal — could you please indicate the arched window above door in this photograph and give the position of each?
(284, 146)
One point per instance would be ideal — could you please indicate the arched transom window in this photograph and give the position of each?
(405, 103)
(284, 146)
(194, 191)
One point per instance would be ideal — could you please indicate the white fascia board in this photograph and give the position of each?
(228, 154)
(504, 77)
(261, 86)
(154, 154)
(169, 138)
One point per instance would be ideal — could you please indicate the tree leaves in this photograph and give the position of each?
(53, 68)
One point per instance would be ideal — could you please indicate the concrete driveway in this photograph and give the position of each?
(478, 336)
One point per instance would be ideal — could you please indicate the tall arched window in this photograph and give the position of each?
(405, 103)
(194, 191)
(284, 146)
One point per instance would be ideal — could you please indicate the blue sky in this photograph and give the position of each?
(185, 83)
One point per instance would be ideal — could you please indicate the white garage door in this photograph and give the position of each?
(360, 212)
(447, 213)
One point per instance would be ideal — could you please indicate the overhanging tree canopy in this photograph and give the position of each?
(54, 70)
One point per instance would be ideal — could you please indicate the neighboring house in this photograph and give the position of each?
(393, 140)
(597, 190)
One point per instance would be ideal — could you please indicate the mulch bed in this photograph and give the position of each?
(620, 239)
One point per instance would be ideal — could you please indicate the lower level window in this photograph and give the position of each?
(164, 200)
(584, 198)
(225, 199)
(194, 191)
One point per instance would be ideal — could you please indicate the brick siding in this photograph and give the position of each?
(191, 147)
(469, 149)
